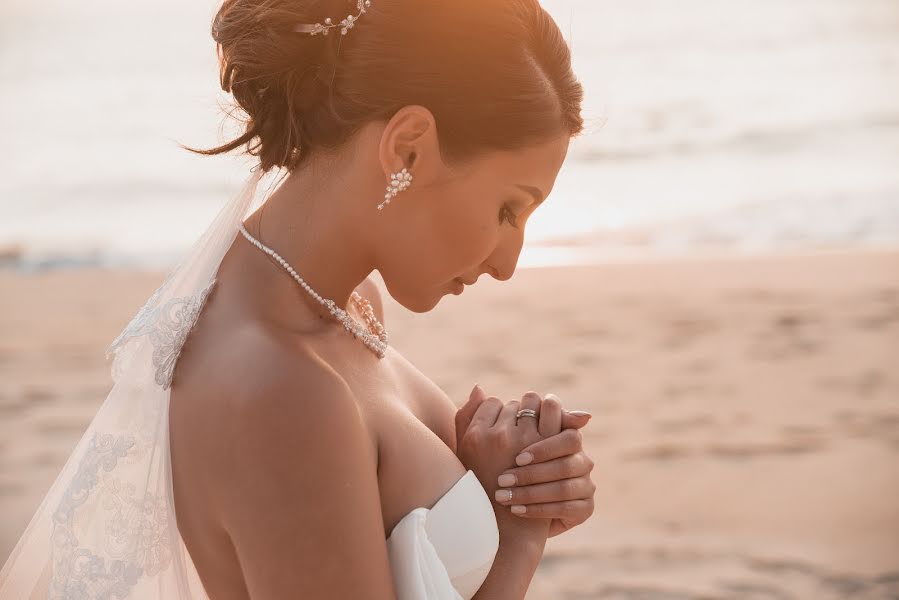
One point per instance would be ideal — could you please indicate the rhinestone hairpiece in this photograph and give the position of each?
(345, 24)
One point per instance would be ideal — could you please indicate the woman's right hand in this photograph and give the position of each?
(490, 443)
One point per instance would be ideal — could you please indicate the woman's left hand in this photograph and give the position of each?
(555, 481)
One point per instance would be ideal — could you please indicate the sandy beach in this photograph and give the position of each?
(746, 411)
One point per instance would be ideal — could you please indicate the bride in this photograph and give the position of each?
(262, 438)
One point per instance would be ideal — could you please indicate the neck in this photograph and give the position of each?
(322, 226)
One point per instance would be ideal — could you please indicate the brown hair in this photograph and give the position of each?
(496, 74)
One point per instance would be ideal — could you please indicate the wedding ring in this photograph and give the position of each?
(525, 412)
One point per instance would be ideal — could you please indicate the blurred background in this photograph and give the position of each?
(715, 275)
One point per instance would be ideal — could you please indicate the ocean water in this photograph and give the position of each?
(723, 126)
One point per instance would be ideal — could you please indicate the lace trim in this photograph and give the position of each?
(167, 327)
(78, 572)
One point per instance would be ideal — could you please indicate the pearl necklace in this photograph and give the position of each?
(373, 333)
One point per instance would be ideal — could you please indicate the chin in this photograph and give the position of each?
(423, 304)
(418, 303)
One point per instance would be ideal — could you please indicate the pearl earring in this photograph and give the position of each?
(398, 182)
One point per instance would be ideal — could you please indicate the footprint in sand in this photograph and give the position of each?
(790, 444)
(790, 334)
(10, 407)
(688, 423)
(37, 395)
(880, 310)
(11, 488)
(866, 384)
(878, 426)
(57, 427)
(647, 573)
(686, 389)
(584, 359)
(662, 451)
(682, 331)
(744, 450)
(825, 584)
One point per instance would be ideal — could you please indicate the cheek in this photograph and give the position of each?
(471, 224)
(458, 232)
(468, 239)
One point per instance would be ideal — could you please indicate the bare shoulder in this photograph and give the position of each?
(273, 385)
(300, 476)
(263, 366)
(369, 290)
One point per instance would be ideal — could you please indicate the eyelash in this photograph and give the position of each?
(502, 217)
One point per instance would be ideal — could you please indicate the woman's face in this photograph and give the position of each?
(462, 222)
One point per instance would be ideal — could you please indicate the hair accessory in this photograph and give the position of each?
(398, 182)
(346, 24)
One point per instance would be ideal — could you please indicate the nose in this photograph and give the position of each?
(504, 260)
(502, 274)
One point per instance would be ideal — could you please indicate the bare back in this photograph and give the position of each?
(409, 423)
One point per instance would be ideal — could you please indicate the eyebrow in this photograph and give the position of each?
(535, 192)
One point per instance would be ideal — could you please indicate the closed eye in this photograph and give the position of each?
(507, 215)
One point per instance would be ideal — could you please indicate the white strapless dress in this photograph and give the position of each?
(445, 552)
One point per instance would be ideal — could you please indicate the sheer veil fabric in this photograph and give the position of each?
(106, 528)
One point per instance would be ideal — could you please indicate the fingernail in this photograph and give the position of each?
(506, 480)
(503, 495)
(518, 509)
(524, 458)
(473, 390)
(580, 413)
(551, 395)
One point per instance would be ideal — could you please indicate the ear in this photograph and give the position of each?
(410, 140)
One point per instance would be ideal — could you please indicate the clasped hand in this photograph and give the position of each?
(552, 478)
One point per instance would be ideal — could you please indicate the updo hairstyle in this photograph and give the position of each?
(496, 74)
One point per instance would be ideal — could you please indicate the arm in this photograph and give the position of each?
(513, 567)
(301, 503)
(492, 438)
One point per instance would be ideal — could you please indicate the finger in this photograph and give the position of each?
(507, 414)
(550, 416)
(572, 465)
(555, 510)
(561, 444)
(555, 491)
(466, 412)
(574, 420)
(487, 412)
(530, 400)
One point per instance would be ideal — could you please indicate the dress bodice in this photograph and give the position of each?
(445, 552)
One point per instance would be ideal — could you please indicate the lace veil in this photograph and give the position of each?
(106, 528)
